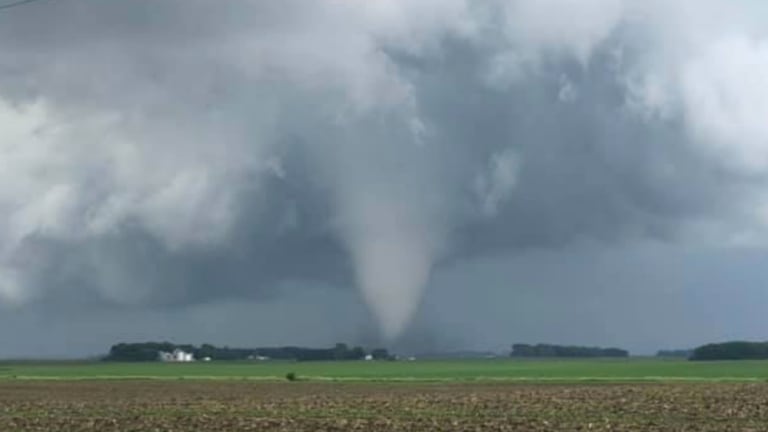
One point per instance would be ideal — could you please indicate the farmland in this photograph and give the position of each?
(489, 395)
(81, 406)
(619, 370)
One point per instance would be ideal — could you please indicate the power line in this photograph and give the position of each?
(18, 3)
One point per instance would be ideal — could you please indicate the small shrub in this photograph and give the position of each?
(290, 376)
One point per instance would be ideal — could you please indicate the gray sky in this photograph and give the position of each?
(425, 174)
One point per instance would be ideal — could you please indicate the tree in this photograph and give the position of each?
(735, 350)
(380, 354)
(570, 351)
(340, 351)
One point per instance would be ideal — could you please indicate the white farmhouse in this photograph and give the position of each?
(178, 356)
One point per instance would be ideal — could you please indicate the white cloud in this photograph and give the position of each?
(562, 27)
(725, 100)
(495, 186)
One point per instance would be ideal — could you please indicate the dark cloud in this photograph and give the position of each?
(167, 157)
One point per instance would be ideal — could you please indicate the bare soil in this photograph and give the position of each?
(246, 406)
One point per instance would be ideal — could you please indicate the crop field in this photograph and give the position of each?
(623, 370)
(104, 405)
(480, 395)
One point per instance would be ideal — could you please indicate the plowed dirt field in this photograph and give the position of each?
(247, 406)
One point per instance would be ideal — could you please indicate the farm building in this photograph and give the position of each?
(177, 355)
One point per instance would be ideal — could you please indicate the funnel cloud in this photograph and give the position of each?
(423, 172)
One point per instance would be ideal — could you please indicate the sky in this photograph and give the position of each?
(426, 175)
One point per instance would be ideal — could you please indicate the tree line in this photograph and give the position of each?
(730, 350)
(148, 351)
(734, 350)
(571, 351)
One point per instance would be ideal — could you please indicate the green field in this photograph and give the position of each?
(626, 370)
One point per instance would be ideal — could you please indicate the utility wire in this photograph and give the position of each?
(17, 3)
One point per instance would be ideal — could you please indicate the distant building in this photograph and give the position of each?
(368, 357)
(177, 356)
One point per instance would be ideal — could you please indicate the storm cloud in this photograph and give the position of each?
(162, 156)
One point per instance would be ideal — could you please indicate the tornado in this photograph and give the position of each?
(392, 248)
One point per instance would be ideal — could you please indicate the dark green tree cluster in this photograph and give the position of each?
(137, 352)
(149, 351)
(562, 351)
(339, 352)
(381, 354)
(736, 350)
